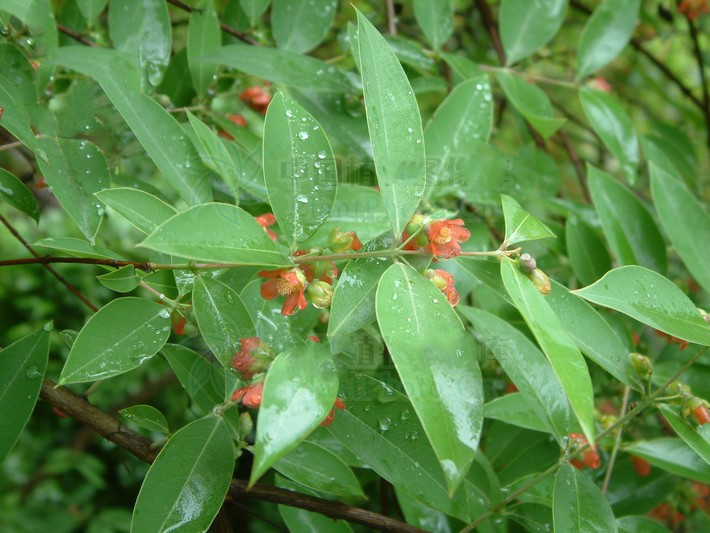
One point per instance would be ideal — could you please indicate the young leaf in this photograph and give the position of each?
(526, 26)
(203, 381)
(514, 409)
(16, 193)
(222, 318)
(614, 126)
(216, 232)
(299, 169)
(649, 298)
(672, 455)
(394, 124)
(301, 25)
(216, 156)
(683, 217)
(520, 225)
(434, 357)
(531, 102)
(586, 251)
(629, 228)
(606, 33)
(188, 481)
(556, 343)
(436, 19)
(579, 505)
(691, 435)
(118, 338)
(146, 417)
(122, 279)
(143, 210)
(299, 392)
(22, 366)
(204, 37)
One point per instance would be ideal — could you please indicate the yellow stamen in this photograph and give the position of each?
(444, 235)
(284, 287)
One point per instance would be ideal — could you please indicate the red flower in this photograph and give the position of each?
(266, 220)
(701, 415)
(444, 281)
(179, 326)
(642, 467)
(253, 356)
(282, 282)
(693, 8)
(238, 119)
(250, 396)
(590, 456)
(672, 339)
(600, 84)
(321, 270)
(256, 98)
(338, 404)
(314, 338)
(445, 237)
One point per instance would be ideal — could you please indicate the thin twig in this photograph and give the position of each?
(701, 71)
(225, 27)
(617, 440)
(75, 35)
(46, 260)
(391, 17)
(577, 162)
(10, 146)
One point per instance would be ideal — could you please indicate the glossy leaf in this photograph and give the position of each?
(556, 343)
(394, 124)
(204, 37)
(75, 170)
(118, 338)
(216, 155)
(77, 247)
(122, 279)
(526, 26)
(146, 417)
(514, 409)
(299, 169)
(436, 19)
(301, 25)
(629, 228)
(531, 102)
(691, 435)
(606, 33)
(434, 357)
(143, 210)
(640, 524)
(203, 381)
(22, 366)
(16, 194)
(685, 220)
(271, 326)
(222, 318)
(299, 392)
(520, 225)
(91, 9)
(579, 505)
(216, 232)
(586, 251)
(649, 298)
(186, 485)
(254, 9)
(283, 66)
(420, 515)
(672, 455)
(614, 127)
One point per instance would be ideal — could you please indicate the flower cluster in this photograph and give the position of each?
(441, 238)
(590, 456)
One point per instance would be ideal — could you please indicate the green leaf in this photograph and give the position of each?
(75, 170)
(606, 33)
(157, 130)
(593, 334)
(409, 53)
(614, 127)
(254, 9)
(301, 25)
(436, 19)
(692, 436)
(204, 37)
(16, 193)
(271, 326)
(640, 524)
(186, 485)
(299, 392)
(649, 298)
(629, 228)
(216, 155)
(222, 318)
(22, 366)
(142, 28)
(146, 417)
(216, 232)
(420, 515)
(683, 217)
(91, 9)
(435, 359)
(317, 468)
(77, 248)
(143, 210)
(556, 343)
(463, 67)
(395, 126)
(514, 409)
(299, 169)
(203, 381)
(579, 506)
(283, 66)
(586, 251)
(527, 367)
(462, 121)
(122, 279)
(672, 455)
(302, 521)
(531, 102)
(520, 225)
(526, 26)
(118, 338)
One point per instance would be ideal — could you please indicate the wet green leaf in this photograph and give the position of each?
(16, 193)
(143, 210)
(526, 26)
(122, 279)
(531, 102)
(204, 37)
(586, 251)
(520, 225)
(692, 436)
(672, 455)
(579, 505)
(146, 417)
(436, 19)
(301, 25)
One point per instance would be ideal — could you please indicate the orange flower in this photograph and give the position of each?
(590, 456)
(445, 237)
(266, 220)
(444, 281)
(338, 404)
(701, 415)
(693, 8)
(238, 119)
(282, 282)
(252, 358)
(250, 396)
(642, 467)
(256, 98)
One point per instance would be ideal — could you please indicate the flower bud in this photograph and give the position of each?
(438, 281)
(253, 357)
(527, 263)
(641, 365)
(416, 223)
(320, 294)
(541, 281)
(701, 414)
(246, 424)
(340, 241)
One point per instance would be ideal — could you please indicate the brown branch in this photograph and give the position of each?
(46, 259)
(37, 259)
(225, 27)
(703, 79)
(75, 35)
(391, 22)
(577, 162)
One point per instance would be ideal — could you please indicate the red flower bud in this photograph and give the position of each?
(256, 98)
(266, 220)
(238, 119)
(250, 396)
(340, 241)
(590, 456)
(642, 467)
(701, 414)
(253, 357)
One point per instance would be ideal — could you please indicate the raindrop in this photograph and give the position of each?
(164, 313)
(303, 135)
(33, 372)
(385, 423)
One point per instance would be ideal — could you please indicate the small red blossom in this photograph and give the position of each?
(265, 221)
(693, 8)
(314, 338)
(250, 396)
(601, 84)
(590, 456)
(642, 467)
(179, 325)
(635, 339)
(238, 119)
(254, 355)
(510, 388)
(338, 404)
(256, 98)
(445, 237)
(672, 339)
(282, 282)
(665, 513)
(444, 281)
(701, 415)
